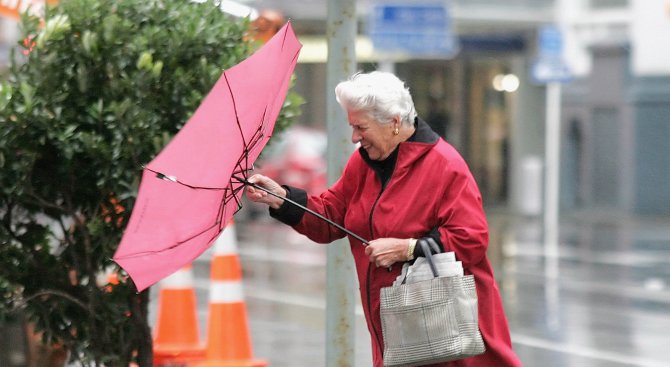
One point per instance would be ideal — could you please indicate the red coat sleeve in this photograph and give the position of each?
(332, 204)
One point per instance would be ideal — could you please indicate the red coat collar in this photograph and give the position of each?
(423, 139)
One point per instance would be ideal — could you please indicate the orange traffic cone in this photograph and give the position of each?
(228, 338)
(177, 335)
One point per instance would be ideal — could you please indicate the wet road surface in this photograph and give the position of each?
(602, 301)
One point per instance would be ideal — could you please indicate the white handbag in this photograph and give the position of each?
(427, 317)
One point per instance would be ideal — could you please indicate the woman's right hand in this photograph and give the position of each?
(260, 196)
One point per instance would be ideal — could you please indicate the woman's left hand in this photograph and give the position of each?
(387, 251)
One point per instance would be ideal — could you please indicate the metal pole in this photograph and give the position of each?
(341, 281)
(552, 163)
(386, 64)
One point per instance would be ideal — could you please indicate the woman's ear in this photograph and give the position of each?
(397, 123)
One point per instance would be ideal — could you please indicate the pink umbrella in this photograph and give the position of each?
(190, 191)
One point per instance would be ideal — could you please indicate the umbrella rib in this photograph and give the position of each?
(222, 211)
(227, 198)
(245, 153)
(165, 177)
(222, 207)
(237, 117)
(256, 137)
(177, 244)
(244, 157)
(216, 224)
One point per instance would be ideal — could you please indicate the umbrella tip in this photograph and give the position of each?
(166, 177)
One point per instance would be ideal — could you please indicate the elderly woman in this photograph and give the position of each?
(403, 183)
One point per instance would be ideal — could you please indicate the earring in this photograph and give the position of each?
(396, 131)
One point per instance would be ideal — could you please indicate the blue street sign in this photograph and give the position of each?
(420, 29)
(545, 71)
(550, 42)
(550, 67)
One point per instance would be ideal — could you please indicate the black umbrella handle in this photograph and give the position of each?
(310, 211)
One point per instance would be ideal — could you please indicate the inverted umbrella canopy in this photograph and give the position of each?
(191, 189)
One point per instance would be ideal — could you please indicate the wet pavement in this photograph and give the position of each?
(602, 301)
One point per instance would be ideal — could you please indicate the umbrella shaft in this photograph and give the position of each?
(310, 211)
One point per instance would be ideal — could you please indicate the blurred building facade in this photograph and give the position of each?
(614, 123)
(614, 114)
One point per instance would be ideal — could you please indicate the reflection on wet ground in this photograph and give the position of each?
(604, 300)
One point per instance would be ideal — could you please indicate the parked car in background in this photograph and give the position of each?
(297, 158)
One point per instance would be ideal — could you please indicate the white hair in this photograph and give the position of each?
(380, 94)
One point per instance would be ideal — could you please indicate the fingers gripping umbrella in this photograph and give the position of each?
(192, 188)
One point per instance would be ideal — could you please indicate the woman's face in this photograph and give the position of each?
(377, 139)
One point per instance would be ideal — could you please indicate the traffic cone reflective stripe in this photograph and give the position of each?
(177, 338)
(226, 292)
(228, 337)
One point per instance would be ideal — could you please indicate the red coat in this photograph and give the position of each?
(431, 187)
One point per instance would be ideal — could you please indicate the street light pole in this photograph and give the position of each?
(552, 164)
(341, 281)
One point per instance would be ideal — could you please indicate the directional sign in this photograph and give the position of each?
(550, 66)
(548, 72)
(420, 29)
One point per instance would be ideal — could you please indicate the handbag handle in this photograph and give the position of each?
(433, 245)
(428, 254)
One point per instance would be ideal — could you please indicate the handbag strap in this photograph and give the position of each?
(428, 254)
(424, 243)
(433, 245)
